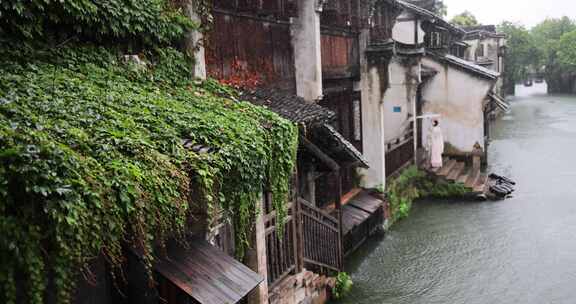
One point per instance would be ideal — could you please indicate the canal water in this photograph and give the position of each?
(521, 250)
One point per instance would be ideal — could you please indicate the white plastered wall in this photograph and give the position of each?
(372, 119)
(403, 30)
(458, 96)
(400, 95)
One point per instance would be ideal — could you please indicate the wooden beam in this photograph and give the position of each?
(332, 164)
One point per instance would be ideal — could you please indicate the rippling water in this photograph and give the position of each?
(522, 250)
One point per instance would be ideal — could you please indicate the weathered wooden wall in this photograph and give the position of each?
(340, 57)
(250, 51)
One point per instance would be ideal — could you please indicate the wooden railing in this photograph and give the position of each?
(281, 256)
(311, 239)
(322, 246)
(399, 152)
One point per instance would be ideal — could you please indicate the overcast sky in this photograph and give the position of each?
(527, 12)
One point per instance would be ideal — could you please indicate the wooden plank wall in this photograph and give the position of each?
(249, 51)
(340, 55)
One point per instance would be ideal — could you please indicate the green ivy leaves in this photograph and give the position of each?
(145, 21)
(91, 157)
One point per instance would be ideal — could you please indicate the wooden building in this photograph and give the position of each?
(302, 60)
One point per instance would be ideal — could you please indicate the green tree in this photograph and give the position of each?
(440, 8)
(522, 54)
(547, 36)
(465, 19)
(567, 50)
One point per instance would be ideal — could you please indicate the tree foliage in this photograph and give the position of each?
(440, 8)
(521, 55)
(91, 157)
(465, 19)
(547, 36)
(141, 21)
(567, 50)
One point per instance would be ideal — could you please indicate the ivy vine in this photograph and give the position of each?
(149, 22)
(91, 158)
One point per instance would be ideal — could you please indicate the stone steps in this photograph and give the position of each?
(463, 177)
(457, 172)
(446, 168)
(480, 186)
(473, 177)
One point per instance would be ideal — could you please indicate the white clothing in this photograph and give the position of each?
(436, 147)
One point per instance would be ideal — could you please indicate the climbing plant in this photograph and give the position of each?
(141, 21)
(402, 191)
(91, 158)
(413, 184)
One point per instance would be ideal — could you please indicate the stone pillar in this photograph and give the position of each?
(256, 258)
(306, 44)
(477, 157)
(193, 42)
(373, 70)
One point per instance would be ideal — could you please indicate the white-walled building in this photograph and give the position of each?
(486, 47)
(458, 93)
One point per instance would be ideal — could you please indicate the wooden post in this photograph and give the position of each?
(476, 157)
(340, 226)
(257, 259)
(297, 226)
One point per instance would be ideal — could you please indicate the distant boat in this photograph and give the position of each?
(528, 83)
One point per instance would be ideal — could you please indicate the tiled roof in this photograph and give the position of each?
(500, 102)
(195, 147)
(467, 65)
(487, 28)
(476, 32)
(298, 110)
(337, 146)
(289, 106)
(424, 12)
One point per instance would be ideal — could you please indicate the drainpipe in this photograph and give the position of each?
(415, 124)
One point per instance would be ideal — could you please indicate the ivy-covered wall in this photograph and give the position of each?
(91, 154)
(150, 22)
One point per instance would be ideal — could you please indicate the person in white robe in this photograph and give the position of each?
(436, 145)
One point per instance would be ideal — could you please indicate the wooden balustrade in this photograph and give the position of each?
(399, 152)
(311, 238)
(281, 246)
(322, 247)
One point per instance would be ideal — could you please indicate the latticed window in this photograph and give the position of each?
(435, 40)
(480, 50)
